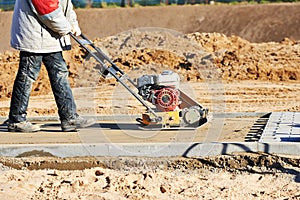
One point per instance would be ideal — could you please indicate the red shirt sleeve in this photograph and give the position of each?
(44, 7)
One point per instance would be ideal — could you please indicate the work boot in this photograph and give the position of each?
(78, 122)
(22, 126)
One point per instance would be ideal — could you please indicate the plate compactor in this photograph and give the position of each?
(167, 107)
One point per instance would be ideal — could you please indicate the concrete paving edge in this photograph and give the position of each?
(125, 117)
(147, 149)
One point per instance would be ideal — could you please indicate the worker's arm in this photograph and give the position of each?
(72, 18)
(51, 14)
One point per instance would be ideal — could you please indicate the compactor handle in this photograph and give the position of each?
(113, 69)
(99, 55)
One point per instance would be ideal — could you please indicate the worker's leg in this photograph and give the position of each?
(29, 68)
(58, 75)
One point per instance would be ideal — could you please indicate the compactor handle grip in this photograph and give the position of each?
(83, 41)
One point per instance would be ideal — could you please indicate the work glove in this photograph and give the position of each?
(76, 31)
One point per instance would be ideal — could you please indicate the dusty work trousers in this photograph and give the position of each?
(29, 68)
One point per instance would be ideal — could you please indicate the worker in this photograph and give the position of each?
(40, 31)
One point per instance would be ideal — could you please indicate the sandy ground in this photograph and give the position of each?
(239, 176)
(223, 72)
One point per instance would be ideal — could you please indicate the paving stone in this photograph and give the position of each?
(284, 126)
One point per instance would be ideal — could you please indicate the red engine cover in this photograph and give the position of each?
(167, 99)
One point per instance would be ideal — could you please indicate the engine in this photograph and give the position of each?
(161, 90)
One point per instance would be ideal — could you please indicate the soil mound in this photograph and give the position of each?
(195, 56)
(239, 59)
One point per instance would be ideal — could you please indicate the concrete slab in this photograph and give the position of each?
(283, 126)
(128, 149)
(147, 149)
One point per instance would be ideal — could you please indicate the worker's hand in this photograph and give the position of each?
(76, 31)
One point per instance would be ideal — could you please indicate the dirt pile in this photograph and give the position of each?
(239, 59)
(137, 52)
